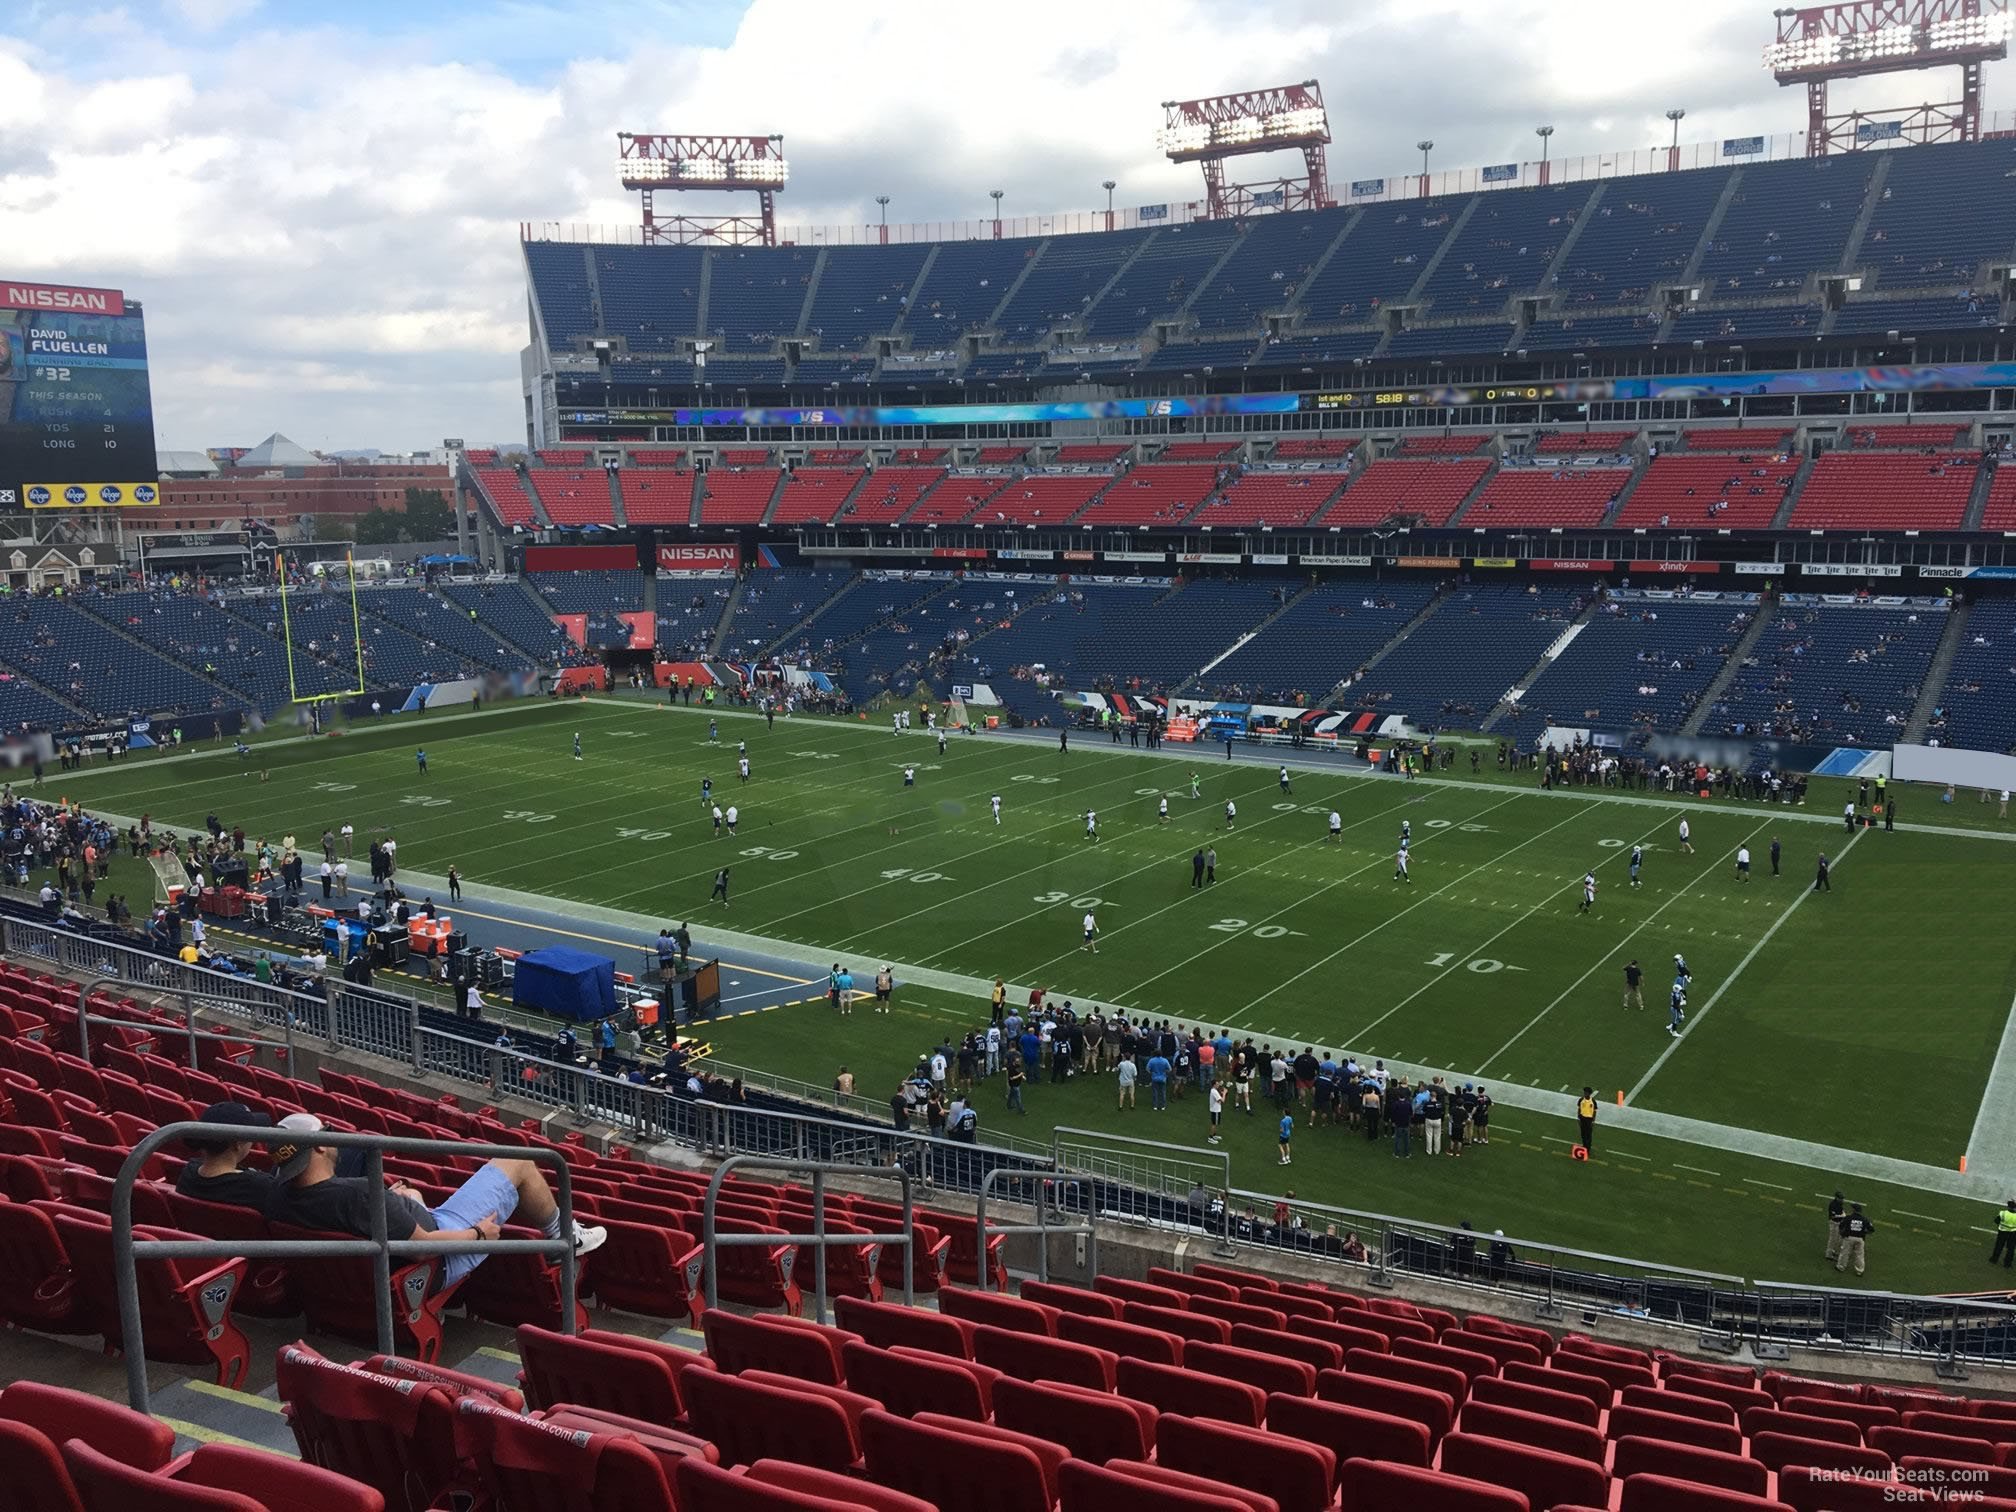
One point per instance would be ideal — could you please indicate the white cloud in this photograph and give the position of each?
(323, 221)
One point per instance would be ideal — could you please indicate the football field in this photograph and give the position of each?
(1867, 1020)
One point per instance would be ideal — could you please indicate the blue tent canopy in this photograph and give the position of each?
(570, 984)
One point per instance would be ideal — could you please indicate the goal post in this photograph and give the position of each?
(287, 635)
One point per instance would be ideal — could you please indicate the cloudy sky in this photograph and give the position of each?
(320, 204)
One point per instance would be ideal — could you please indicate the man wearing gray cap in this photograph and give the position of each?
(315, 1197)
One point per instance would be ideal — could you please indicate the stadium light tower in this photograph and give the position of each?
(1819, 43)
(648, 162)
(1109, 185)
(883, 201)
(1283, 118)
(1543, 132)
(995, 195)
(1673, 152)
(1426, 145)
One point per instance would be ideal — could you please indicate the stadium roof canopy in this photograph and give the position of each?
(185, 464)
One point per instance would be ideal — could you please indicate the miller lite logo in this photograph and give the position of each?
(38, 495)
(144, 494)
(76, 495)
(110, 493)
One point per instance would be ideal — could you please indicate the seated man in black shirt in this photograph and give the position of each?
(315, 1197)
(217, 1173)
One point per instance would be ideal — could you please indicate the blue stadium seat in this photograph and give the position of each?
(754, 296)
(1322, 639)
(225, 645)
(1845, 673)
(433, 620)
(861, 293)
(1266, 270)
(513, 613)
(1064, 282)
(1158, 282)
(80, 658)
(772, 602)
(1977, 707)
(1786, 222)
(1943, 212)
(1462, 659)
(1642, 233)
(1503, 250)
(1379, 260)
(650, 295)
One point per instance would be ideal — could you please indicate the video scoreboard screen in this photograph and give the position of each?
(76, 413)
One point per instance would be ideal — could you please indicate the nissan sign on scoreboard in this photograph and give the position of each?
(76, 413)
(702, 556)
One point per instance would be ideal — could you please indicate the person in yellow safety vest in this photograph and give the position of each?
(2005, 1235)
(1585, 1118)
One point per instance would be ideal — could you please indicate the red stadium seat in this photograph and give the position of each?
(954, 1468)
(336, 1294)
(654, 1269)
(1674, 1428)
(1194, 1285)
(395, 1436)
(701, 1487)
(1434, 1410)
(907, 1383)
(1864, 1415)
(1469, 1362)
(1122, 1338)
(838, 1490)
(1141, 1291)
(1369, 1484)
(1963, 1425)
(1537, 1429)
(1674, 1399)
(1033, 1357)
(998, 1311)
(1775, 1451)
(526, 1462)
(1500, 1348)
(890, 1324)
(1084, 1487)
(1546, 1478)
(1298, 1475)
(41, 1292)
(1659, 1493)
(1499, 1392)
(1094, 1426)
(789, 1346)
(185, 1305)
(1269, 1372)
(747, 1421)
(1346, 1336)
(596, 1370)
(1758, 1420)
(216, 1478)
(1809, 1489)
(1961, 1481)
(1200, 1326)
(1072, 1299)
(1318, 1354)
(1350, 1432)
(1450, 1382)
(1192, 1393)
(1898, 1442)
(1158, 1479)
(1707, 1467)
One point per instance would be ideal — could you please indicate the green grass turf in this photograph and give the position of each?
(1900, 979)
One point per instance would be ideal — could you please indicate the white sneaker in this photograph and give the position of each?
(588, 1238)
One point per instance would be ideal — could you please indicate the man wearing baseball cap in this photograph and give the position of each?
(217, 1173)
(315, 1197)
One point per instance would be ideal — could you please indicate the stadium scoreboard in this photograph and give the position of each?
(76, 412)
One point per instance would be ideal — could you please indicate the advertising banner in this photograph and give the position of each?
(1414, 561)
(1494, 561)
(1570, 564)
(579, 558)
(1703, 568)
(700, 556)
(576, 626)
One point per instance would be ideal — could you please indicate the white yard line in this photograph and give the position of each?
(1609, 956)
(1992, 1145)
(1730, 980)
(1393, 917)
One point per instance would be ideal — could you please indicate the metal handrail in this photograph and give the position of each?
(818, 1239)
(127, 1251)
(1899, 1314)
(1042, 1226)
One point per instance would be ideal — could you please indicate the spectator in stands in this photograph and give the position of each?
(315, 1197)
(217, 1172)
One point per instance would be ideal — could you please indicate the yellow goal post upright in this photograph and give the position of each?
(287, 635)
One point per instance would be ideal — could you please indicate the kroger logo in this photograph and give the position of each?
(144, 494)
(75, 495)
(38, 495)
(110, 493)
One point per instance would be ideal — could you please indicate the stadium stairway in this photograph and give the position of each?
(1547, 658)
(539, 509)
(1941, 668)
(1852, 252)
(776, 494)
(1244, 636)
(1030, 264)
(85, 718)
(1331, 699)
(232, 696)
(1476, 493)
(717, 643)
(1183, 310)
(1800, 479)
(1298, 305)
(808, 620)
(1120, 272)
(1566, 250)
(1977, 501)
(926, 496)
(616, 511)
(1742, 651)
(900, 328)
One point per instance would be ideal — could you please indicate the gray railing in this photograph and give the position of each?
(1950, 1332)
(1724, 1311)
(819, 1240)
(1049, 1186)
(128, 1252)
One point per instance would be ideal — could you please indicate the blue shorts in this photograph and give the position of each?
(486, 1193)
